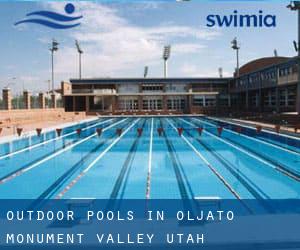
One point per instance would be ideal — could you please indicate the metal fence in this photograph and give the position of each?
(1, 104)
(18, 103)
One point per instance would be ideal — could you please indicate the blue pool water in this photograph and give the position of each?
(232, 165)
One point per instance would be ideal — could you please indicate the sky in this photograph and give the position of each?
(119, 38)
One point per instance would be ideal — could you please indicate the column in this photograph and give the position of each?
(190, 99)
(165, 104)
(229, 100)
(190, 104)
(247, 94)
(53, 101)
(42, 102)
(6, 96)
(114, 103)
(298, 98)
(286, 97)
(260, 102)
(260, 93)
(27, 99)
(247, 100)
(87, 104)
(277, 100)
(164, 99)
(140, 100)
(74, 103)
(229, 96)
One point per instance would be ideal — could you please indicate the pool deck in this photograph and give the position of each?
(268, 126)
(29, 121)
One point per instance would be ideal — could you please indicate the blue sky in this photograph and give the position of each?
(120, 38)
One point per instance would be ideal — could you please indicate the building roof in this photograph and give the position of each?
(262, 63)
(190, 80)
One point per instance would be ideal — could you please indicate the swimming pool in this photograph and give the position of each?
(133, 158)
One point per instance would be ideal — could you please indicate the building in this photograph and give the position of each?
(264, 85)
(146, 95)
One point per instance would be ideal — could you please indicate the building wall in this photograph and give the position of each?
(264, 85)
(271, 89)
(157, 97)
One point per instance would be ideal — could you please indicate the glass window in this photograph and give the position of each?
(128, 104)
(198, 101)
(176, 103)
(210, 101)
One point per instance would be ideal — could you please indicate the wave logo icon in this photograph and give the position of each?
(53, 20)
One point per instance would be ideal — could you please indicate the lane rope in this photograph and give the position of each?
(93, 163)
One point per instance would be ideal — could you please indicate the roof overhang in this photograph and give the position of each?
(99, 81)
(148, 94)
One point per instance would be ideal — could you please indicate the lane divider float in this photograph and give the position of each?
(119, 131)
(48, 141)
(39, 131)
(69, 186)
(92, 164)
(258, 128)
(19, 131)
(140, 132)
(58, 131)
(180, 131)
(160, 131)
(78, 131)
(277, 128)
(219, 129)
(221, 178)
(238, 129)
(200, 129)
(47, 158)
(148, 182)
(99, 131)
(251, 138)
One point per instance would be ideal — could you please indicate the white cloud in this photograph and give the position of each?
(187, 48)
(188, 69)
(114, 46)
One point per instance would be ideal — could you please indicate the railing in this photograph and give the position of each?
(1, 105)
(288, 78)
(93, 91)
(104, 91)
(82, 91)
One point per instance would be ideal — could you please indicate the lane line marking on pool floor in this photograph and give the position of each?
(92, 164)
(222, 179)
(252, 138)
(236, 147)
(273, 166)
(18, 173)
(48, 141)
(148, 188)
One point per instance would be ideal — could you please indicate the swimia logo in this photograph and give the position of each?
(52, 19)
(239, 20)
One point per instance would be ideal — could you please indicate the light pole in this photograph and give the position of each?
(166, 56)
(11, 82)
(79, 50)
(234, 45)
(54, 47)
(48, 86)
(146, 71)
(295, 6)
